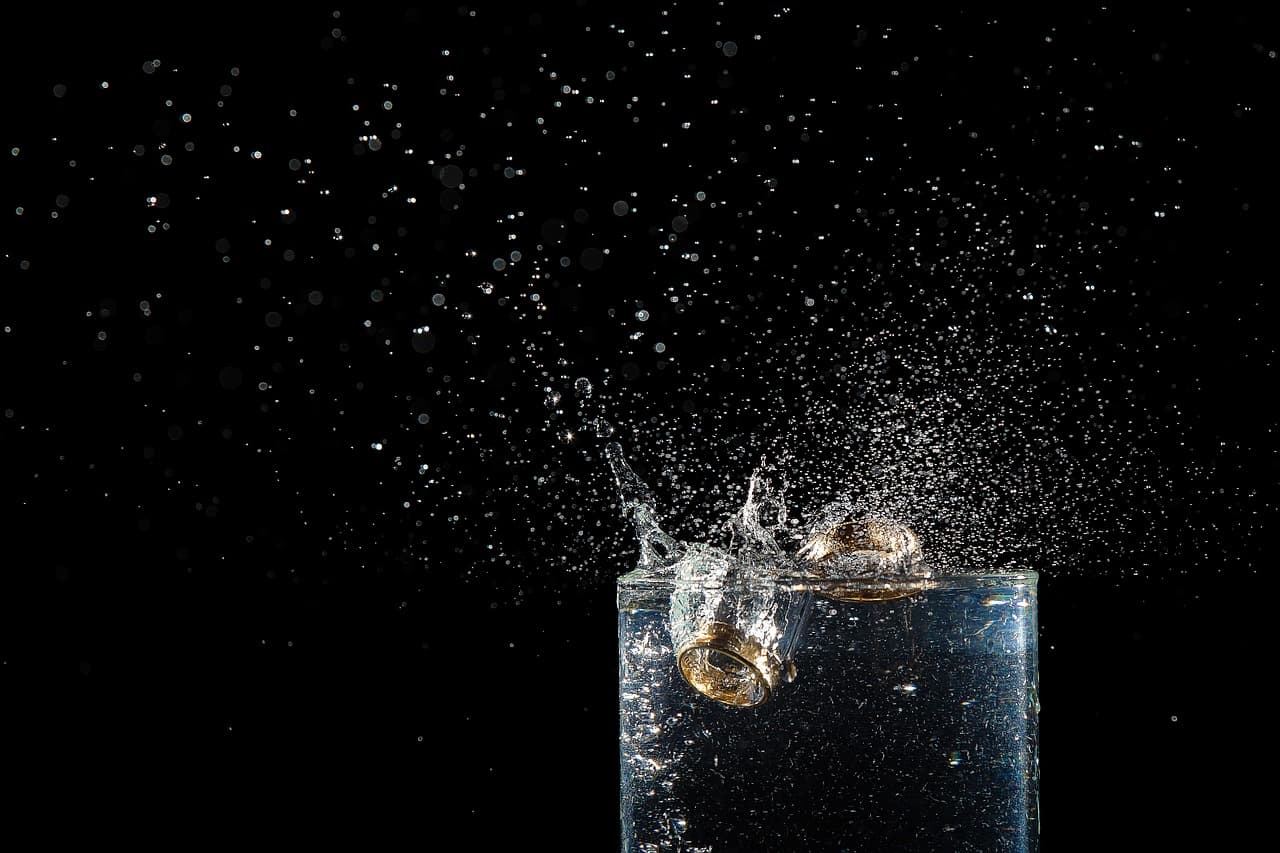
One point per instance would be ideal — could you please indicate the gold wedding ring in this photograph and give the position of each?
(723, 664)
(885, 556)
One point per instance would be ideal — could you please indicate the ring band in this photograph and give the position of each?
(879, 558)
(724, 665)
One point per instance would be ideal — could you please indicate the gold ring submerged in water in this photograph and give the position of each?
(723, 664)
(890, 545)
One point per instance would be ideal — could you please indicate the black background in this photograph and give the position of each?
(213, 670)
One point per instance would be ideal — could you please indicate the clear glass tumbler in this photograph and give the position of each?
(796, 714)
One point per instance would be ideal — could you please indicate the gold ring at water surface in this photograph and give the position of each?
(890, 545)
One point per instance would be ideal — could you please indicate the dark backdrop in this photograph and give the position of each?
(212, 612)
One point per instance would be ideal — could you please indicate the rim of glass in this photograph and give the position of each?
(641, 579)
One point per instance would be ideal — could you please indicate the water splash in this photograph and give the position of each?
(839, 546)
(657, 548)
(764, 510)
(957, 319)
